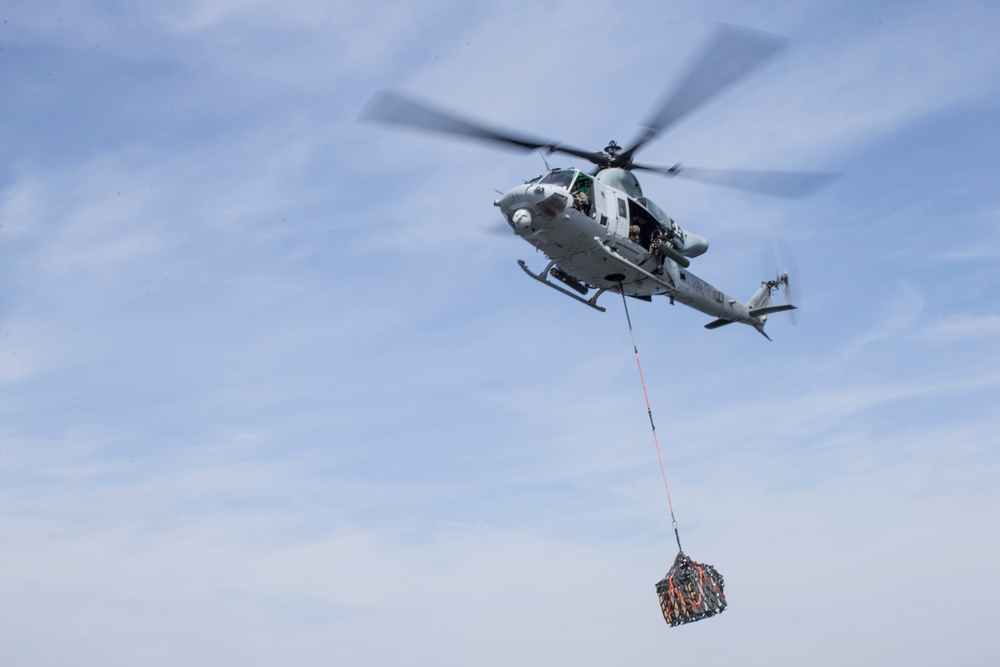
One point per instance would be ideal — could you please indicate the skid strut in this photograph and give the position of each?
(543, 278)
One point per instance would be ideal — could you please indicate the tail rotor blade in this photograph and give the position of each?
(792, 281)
(779, 266)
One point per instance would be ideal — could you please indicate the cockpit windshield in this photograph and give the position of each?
(560, 177)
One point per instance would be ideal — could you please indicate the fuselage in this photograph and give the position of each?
(585, 224)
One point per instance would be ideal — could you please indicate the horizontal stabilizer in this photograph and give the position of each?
(767, 310)
(715, 324)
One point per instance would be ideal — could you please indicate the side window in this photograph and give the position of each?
(604, 220)
(622, 209)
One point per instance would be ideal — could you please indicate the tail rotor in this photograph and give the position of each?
(777, 261)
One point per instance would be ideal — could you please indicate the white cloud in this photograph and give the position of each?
(899, 316)
(963, 327)
(275, 397)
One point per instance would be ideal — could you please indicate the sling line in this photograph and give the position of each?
(649, 411)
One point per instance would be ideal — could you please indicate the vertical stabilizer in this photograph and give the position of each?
(761, 298)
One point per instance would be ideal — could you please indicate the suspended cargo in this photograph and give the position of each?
(690, 592)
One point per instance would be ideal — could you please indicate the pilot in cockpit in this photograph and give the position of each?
(581, 195)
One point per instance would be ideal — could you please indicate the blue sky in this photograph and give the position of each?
(271, 392)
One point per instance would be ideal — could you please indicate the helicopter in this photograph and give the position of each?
(597, 229)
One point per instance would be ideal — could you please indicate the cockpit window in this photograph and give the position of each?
(560, 177)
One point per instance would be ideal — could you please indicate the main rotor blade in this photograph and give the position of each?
(733, 53)
(787, 184)
(388, 107)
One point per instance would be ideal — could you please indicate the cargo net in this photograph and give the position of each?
(690, 592)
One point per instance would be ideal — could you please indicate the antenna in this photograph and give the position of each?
(547, 167)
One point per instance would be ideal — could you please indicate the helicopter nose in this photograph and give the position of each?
(522, 205)
(542, 192)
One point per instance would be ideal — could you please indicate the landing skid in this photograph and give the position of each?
(543, 278)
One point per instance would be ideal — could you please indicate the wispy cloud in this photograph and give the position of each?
(267, 392)
(963, 327)
(898, 316)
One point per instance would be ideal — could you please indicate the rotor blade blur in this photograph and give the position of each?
(787, 184)
(732, 54)
(793, 286)
(777, 260)
(388, 107)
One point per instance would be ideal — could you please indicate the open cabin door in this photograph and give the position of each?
(612, 210)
